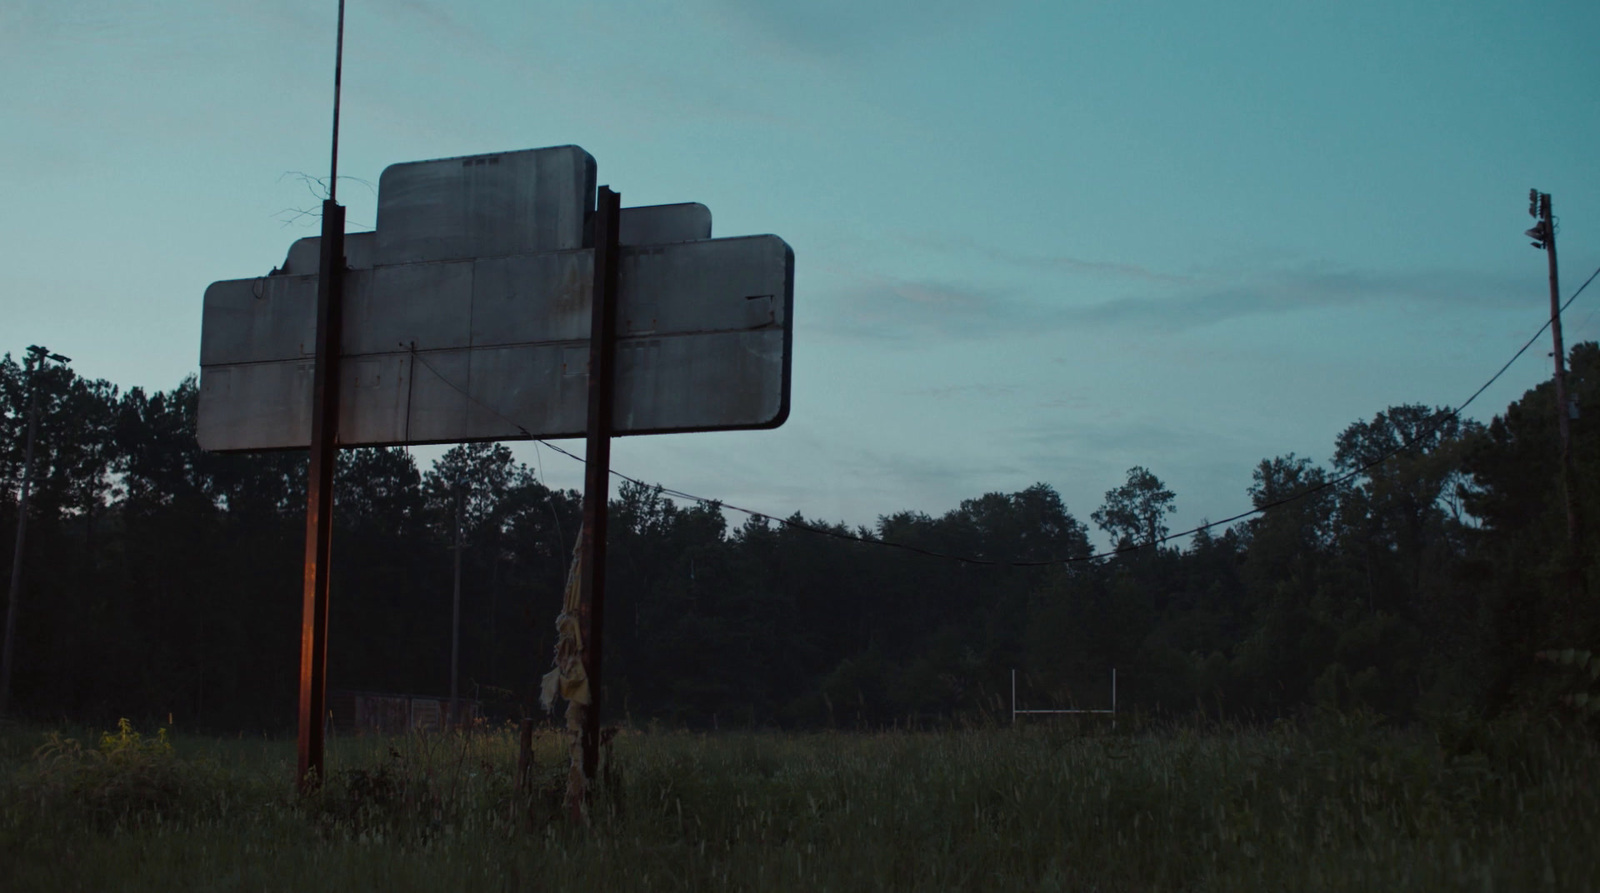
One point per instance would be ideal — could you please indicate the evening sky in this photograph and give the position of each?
(1034, 242)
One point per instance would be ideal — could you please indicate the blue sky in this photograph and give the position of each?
(1034, 242)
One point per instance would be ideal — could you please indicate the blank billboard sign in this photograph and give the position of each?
(469, 319)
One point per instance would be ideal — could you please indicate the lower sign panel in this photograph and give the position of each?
(702, 382)
(703, 344)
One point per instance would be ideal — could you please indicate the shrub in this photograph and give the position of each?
(126, 777)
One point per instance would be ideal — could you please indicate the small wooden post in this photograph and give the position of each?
(524, 756)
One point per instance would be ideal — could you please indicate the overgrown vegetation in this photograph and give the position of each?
(1339, 802)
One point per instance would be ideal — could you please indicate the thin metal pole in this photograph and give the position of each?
(1113, 698)
(22, 529)
(597, 469)
(1013, 696)
(338, 80)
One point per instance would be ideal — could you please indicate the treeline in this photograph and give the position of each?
(159, 579)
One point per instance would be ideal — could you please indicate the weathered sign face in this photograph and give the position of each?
(471, 321)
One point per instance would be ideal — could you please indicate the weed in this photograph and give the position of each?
(126, 778)
(1336, 803)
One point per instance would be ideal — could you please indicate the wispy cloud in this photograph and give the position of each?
(894, 309)
(1292, 291)
(1057, 263)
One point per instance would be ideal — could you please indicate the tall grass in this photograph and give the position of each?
(1340, 805)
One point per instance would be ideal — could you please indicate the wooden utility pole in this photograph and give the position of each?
(1543, 234)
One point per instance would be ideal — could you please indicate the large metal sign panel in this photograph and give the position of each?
(497, 348)
(467, 312)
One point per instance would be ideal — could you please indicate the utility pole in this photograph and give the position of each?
(1543, 234)
(37, 357)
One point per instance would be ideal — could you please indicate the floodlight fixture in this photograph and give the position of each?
(1539, 233)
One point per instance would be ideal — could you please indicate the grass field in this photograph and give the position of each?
(1335, 805)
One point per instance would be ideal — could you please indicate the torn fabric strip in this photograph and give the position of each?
(568, 680)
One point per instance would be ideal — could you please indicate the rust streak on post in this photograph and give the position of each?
(319, 498)
(596, 478)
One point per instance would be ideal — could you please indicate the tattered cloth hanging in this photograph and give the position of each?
(568, 679)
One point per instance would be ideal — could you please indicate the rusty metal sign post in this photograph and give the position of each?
(319, 499)
(597, 463)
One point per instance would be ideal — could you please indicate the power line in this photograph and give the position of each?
(1440, 420)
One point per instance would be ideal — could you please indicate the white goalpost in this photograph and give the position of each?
(1016, 711)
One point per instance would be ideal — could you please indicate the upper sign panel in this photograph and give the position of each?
(484, 205)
